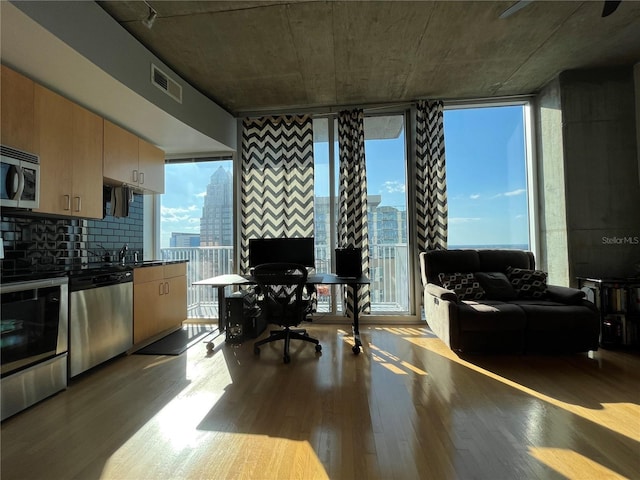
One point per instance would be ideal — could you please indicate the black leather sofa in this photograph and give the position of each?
(495, 300)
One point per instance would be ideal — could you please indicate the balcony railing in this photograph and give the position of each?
(388, 272)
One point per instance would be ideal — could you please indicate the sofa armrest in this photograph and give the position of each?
(441, 292)
(566, 295)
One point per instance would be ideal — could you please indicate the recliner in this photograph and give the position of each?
(282, 299)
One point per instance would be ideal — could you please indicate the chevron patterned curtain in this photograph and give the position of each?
(352, 223)
(431, 186)
(277, 180)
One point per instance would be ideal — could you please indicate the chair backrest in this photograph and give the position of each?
(281, 288)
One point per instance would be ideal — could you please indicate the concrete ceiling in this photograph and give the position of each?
(285, 55)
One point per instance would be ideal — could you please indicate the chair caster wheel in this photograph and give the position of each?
(287, 359)
(318, 348)
(210, 346)
(355, 349)
(256, 350)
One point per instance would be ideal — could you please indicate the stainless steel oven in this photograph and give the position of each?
(33, 342)
(19, 178)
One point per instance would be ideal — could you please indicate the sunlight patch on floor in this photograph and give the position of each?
(177, 422)
(609, 416)
(572, 465)
(393, 362)
(220, 455)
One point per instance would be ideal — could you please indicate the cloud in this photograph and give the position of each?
(178, 214)
(512, 193)
(475, 196)
(392, 186)
(201, 194)
(458, 220)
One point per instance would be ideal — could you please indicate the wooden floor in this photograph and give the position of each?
(405, 408)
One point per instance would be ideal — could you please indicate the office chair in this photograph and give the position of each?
(282, 298)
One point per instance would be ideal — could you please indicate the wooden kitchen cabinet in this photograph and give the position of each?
(151, 167)
(70, 146)
(17, 111)
(175, 297)
(159, 300)
(132, 161)
(120, 155)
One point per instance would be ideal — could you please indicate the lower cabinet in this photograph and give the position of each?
(159, 299)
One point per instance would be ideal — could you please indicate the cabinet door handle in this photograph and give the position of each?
(167, 290)
(141, 178)
(161, 288)
(68, 202)
(135, 176)
(79, 204)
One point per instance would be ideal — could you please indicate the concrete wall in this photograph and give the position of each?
(552, 221)
(598, 167)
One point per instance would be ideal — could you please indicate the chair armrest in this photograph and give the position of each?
(441, 292)
(566, 295)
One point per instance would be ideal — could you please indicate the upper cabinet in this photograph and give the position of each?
(17, 107)
(132, 161)
(120, 154)
(70, 146)
(79, 150)
(151, 167)
(87, 166)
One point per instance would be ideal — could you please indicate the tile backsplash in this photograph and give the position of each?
(31, 240)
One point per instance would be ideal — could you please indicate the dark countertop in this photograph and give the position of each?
(38, 272)
(155, 263)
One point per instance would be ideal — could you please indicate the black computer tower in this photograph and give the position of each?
(348, 262)
(243, 318)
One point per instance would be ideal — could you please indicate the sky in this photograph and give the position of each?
(185, 189)
(486, 176)
(486, 179)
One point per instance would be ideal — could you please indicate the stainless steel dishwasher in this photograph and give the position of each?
(100, 317)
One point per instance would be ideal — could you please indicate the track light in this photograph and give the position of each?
(151, 18)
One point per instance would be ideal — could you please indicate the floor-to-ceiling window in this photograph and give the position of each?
(489, 201)
(385, 152)
(487, 176)
(196, 224)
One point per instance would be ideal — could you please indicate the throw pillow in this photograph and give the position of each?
(464, 285)
(496, 285)
(528, 283)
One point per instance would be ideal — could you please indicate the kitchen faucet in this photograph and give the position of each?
(122, 253)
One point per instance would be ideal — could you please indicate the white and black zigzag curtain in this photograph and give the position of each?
(431, 186)
(277, 180)
(353, 230)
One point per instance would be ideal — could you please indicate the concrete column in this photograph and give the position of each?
(598, 167)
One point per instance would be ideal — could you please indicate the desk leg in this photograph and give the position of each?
(356, 327)
(222, 317)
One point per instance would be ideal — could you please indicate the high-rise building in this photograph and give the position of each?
(184, 240)
(216, 224)
(387, 225)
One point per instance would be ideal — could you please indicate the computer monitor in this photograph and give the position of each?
(282, 250)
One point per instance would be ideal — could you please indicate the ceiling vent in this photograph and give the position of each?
(166, 84)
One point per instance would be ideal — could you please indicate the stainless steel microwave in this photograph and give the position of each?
(20, 180)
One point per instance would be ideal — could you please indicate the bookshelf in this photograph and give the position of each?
(618, 300)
